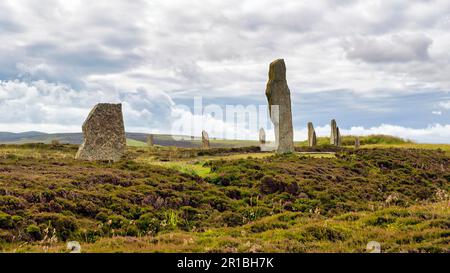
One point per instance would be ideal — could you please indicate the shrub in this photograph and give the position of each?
(34, 231)
(232, 219)
(261, 227)
(324, 233)
(11, 203)
(5, 220)
(270, 185)
(65, 225)
(132, 231)
(149, 223)
(380, 221)
(117, 221)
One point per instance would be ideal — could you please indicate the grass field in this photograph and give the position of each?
(168, 199)
(135, 143)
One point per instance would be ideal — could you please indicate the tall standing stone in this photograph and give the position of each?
(357, 143)
(205, 140)
(279, 99)
(262, 136)
(312, 139)
(150, 140)
(333, 135)
(104, 134)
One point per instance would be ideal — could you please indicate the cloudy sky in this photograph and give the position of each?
(375, 66)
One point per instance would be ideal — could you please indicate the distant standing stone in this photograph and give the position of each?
(262, 136)
(150, 142)
(104, 134)
(278, 94)
(312, 139)
(338, 137)
(55, 142)
(357, 143)
(205, 140)
(333, 135)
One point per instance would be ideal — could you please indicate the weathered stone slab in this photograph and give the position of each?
(312, 139)
(333, 135)
(205, 140)
(262, 136)
(104, 134)
(279, 99)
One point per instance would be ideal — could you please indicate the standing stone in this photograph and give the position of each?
(262, 136)
(150, 139)
(205, 140)
(357, 143)
(338, 137)
(333, 136)
(312, 139)
(55, 142)
(104, 134)
(278, 94)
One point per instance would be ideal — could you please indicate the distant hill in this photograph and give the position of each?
(133, 139)
(7, 136)
(139, 139)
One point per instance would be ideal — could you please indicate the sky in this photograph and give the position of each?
(377, 67)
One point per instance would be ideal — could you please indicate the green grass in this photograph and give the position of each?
(443, 147)
(364, 140)
(135, 143)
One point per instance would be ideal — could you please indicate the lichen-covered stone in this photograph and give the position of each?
(312, 139)
(205, 140)
(279, 99)
(104, 134)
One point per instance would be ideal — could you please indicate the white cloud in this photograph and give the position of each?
(445, 104)
(435, 133)
(70, 55)
(395, 48)
(40, 105)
